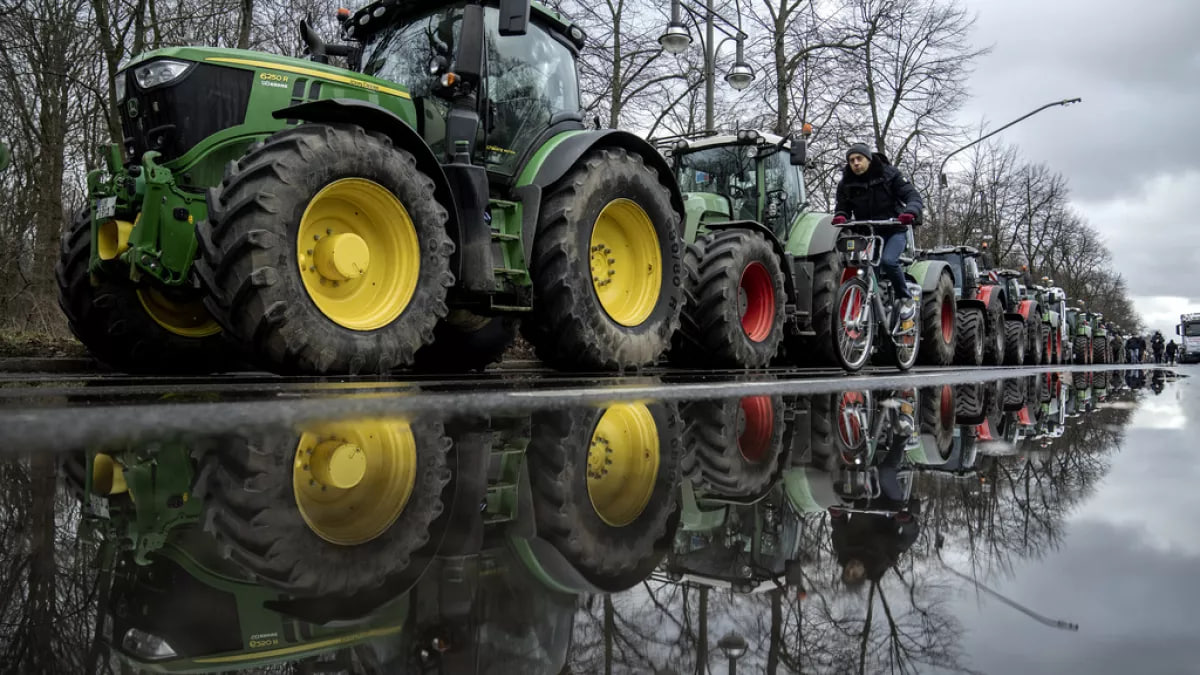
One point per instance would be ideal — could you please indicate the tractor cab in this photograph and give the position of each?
(526, 74)
(964, 265)
(742, 176)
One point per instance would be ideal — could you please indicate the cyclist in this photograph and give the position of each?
(872, 189)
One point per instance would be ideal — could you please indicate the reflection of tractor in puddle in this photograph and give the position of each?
(380, 531)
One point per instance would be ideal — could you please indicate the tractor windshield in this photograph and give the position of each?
(726, 170)
(531, 78)
(784, 191)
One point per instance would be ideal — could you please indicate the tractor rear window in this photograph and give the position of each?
(727, 170)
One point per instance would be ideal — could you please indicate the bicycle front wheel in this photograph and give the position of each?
(854, 324)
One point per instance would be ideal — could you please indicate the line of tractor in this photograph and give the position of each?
(442, 192)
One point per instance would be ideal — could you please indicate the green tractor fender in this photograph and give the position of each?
(927, 272)
(377, 118)
(562, 152)
(812, 234)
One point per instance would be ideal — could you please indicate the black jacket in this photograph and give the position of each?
(879, 194)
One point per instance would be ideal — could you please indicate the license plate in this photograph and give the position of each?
(106, 207)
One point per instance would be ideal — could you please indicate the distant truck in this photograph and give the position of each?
(1189, 332)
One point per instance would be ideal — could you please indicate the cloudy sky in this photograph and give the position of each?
(1131, 149)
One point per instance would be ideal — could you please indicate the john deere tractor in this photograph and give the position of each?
(762, 266)
(405, 208)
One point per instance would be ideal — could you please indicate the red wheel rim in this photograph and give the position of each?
(947, 406)
(758, 316)
(758, 415)
(850, 428)
(947, 320)
(851, 309)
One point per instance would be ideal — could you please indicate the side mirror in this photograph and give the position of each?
(514, 17)
(468, 62)
(315, 46)
(799, 152)
(2, 166)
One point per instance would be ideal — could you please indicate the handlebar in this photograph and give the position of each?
(871, 223)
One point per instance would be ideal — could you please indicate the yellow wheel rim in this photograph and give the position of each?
(352, 480)
(187, 318)
(626, 262)
(622, 463)
(358, 254)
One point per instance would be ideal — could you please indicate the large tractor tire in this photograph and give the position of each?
(969, 342)
(994, 347)
(326, 252)
(939, 324)
(820, 348)
(1100, 351)
(1035, 350)
(337, 509)
(738, 302)
(738, 443)
(607, 266)
(1082, 349)
(605, 485)
(135, 329)
(938, 407)
(465, 341)
(1014, 342)
(970, 403)
(685, 346)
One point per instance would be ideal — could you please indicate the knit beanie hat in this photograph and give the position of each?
(858, 149)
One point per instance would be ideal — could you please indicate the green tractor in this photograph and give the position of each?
(979, 309)
(403, 210)
(1101, 344)
(1080, 324)
(762, 266)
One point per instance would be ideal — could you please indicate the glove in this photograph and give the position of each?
(838, 220)
(906, 219)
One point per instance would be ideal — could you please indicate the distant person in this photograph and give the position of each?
(1143, 353)
(1156, 344)
(1132, 354)
(1172, 349)
(872, 189)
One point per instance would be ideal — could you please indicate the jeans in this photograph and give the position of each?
(889, 263)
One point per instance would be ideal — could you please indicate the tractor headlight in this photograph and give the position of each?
(159, 72)
(147, 646)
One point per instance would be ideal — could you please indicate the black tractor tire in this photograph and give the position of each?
(822, 427)
(1035, 350)
(1014, 394)
(250, 509)
(939, 325)
(249, 257)
(686, 350)
(465, 341)
(557, 458)
(1014, 342)
(111, 320)
(819, 349)
(969, 342)
(738, 443)
(994, 334)
(1100, 352)
(938, 418)
(721, 300)
(569, 328)
(970, 401)
(1082, 348)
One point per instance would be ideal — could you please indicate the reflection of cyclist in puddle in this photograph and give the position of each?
(870, 540)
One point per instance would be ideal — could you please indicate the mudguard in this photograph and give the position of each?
(927, 273)
(560, 154)
(377, 118)
(812, 234)
(1024, 308)
(985, 295)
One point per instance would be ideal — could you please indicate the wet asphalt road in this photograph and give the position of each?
(56, 410)
(1046, 551)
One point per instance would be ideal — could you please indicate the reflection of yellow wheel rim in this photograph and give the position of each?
(352, 480)
(626, 262)
(358, 254)
(622, 463)
(187, 318)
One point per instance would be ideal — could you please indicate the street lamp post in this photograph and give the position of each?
(676, 39)
(942, 168)
(734, 646)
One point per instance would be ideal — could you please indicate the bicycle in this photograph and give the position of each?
(864, 302)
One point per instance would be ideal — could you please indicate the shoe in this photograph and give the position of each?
(905, 316)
